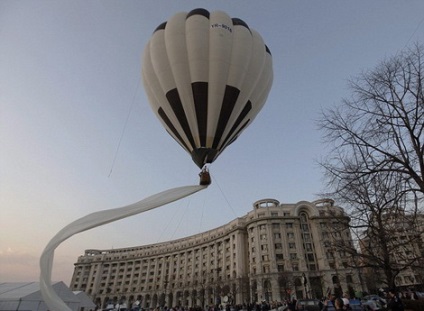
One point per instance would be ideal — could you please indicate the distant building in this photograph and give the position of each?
(406, 247)
(274, 252)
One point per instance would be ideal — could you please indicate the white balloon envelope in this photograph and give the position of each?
(206, 76)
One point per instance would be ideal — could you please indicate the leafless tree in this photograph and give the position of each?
(286, 283)
(381, 127)
(387, 228)
(375, 163)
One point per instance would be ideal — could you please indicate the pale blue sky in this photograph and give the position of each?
(70, 76)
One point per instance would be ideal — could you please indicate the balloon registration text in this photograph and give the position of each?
(223, 26)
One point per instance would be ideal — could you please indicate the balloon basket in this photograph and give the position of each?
(205, 177)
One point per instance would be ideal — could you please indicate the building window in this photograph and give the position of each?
(279, 257)
(277, 235)
(278, 246)
(293, 256)
(292, 245)
(289, 225)
(290, 235)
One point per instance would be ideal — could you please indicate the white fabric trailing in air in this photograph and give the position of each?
(97, 219)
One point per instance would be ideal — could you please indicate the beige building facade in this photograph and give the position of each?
(274, 252)
(406, 247)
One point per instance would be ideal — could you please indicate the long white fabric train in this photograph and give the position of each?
(97, 219)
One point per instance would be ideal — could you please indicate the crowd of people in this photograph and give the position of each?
(390, 301)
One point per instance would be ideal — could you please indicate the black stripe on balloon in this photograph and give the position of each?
(239, 22)
(267, 49)
(168, 122)
(176, 105)
(230, 97)
(240, 118)
(200, 96)
(160, 27)
(238, 132)
(199, 11)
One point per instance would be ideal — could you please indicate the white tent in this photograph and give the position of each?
(27, 297)
(85, 300)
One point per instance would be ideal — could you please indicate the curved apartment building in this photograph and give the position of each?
(274, 252)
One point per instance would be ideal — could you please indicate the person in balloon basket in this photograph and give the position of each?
(394, 303)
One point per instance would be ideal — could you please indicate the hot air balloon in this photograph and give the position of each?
(206, 76)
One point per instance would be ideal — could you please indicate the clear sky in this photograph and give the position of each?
(77, 134)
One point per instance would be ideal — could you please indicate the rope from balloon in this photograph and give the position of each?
(96, 219)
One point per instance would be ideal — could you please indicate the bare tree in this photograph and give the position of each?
(286, 283)
(386, 227)
(381, 127)
(375, 164)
